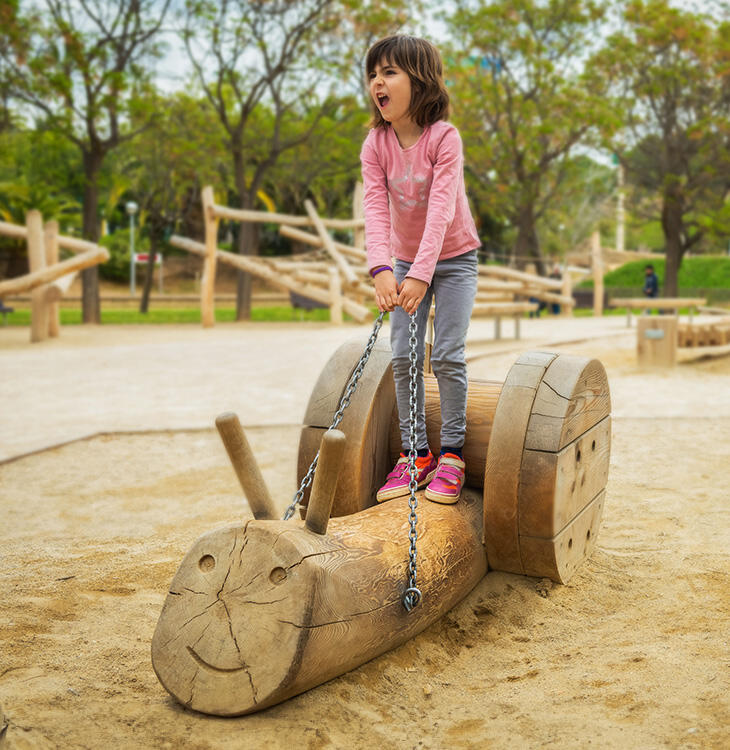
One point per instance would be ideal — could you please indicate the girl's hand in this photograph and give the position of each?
(386, 291)
(410, 294)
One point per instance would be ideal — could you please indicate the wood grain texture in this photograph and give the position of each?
(536, 490)
(365, 423)
(657, 339)
(504, 459)
(555, 487)
(263, 611)
(481, 404)
(244, 464)
(573, 396)
(558, 558)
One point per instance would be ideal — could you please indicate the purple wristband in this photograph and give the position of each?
(377, 270)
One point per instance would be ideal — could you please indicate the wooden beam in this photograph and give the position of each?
(37, 263)
(597, 266)
(30, 281)
(316, 241)
(511, 273)
(207, 286)
(266, 217)
(258, 268)
(59, 286)
(329, 245)
(325, 481)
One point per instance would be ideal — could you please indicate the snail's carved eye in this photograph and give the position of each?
(206, 563)
(277, 576)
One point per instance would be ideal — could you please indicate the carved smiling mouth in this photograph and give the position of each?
(206, 665)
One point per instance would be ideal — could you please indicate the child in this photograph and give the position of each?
(417, 211)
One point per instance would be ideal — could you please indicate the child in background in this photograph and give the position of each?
(416, 210)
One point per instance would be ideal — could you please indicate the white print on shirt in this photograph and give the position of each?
(411, 190)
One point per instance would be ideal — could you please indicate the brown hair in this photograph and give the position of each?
(422, 63)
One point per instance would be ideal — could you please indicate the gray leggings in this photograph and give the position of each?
(454, 286)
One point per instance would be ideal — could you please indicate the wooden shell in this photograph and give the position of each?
(259, 612)
(547, 465)
(366, 423)
(370, 424)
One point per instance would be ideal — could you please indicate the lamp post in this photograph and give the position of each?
(131, 210)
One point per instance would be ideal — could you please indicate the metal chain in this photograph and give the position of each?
(344, 403)
(412, 595)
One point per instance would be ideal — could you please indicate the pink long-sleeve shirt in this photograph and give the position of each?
(415, 200)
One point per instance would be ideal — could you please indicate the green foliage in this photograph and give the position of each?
(117, 267)
(522, 103)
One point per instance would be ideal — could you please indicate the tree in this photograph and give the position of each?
(79, 64)
(523, 104)
(669, 70)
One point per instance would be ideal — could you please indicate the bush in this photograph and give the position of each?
(117, 267)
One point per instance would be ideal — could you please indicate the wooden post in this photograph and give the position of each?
(245, 466)
(597, 264)
(358, 212)
(37, 262)
(325, 481)
(329, 245)
(207, 287)
(656, 340)
(51, 241)
(335, 288)
(566, 311)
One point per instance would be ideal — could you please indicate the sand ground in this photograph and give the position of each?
(111, 468)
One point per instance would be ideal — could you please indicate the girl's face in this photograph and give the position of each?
(390, 88)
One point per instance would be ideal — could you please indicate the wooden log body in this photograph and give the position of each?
(260, 612)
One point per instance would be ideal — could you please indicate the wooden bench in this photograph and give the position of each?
(499, 310)
(671, 304)
(5, 310)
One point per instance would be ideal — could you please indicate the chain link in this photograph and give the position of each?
(344, 403)
(412, 595)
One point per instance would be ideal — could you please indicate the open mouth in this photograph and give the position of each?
(383, 100)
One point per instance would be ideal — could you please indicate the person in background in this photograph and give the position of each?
(651, 282)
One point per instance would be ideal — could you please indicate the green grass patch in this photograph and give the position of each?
(701, 272)
(163, 316)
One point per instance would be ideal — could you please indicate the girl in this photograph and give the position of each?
(417, 211)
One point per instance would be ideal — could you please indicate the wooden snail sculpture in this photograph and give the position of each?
(266, 609)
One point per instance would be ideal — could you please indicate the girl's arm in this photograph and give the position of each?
(448, 171)
(377, 226)
(376, 207)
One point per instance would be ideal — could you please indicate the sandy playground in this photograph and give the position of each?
(110, 468)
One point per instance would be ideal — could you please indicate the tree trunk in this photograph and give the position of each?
(672, 228)
(248, 244)
(155, 236)
(527, 244)
(90, 303)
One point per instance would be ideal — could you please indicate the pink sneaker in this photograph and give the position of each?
(446, 486)
(396, 483)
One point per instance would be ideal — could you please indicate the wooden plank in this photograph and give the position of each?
(555, 487)
(504, 458)
(659, 303)
(572, 397)
(502, 308)
(558, 558)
